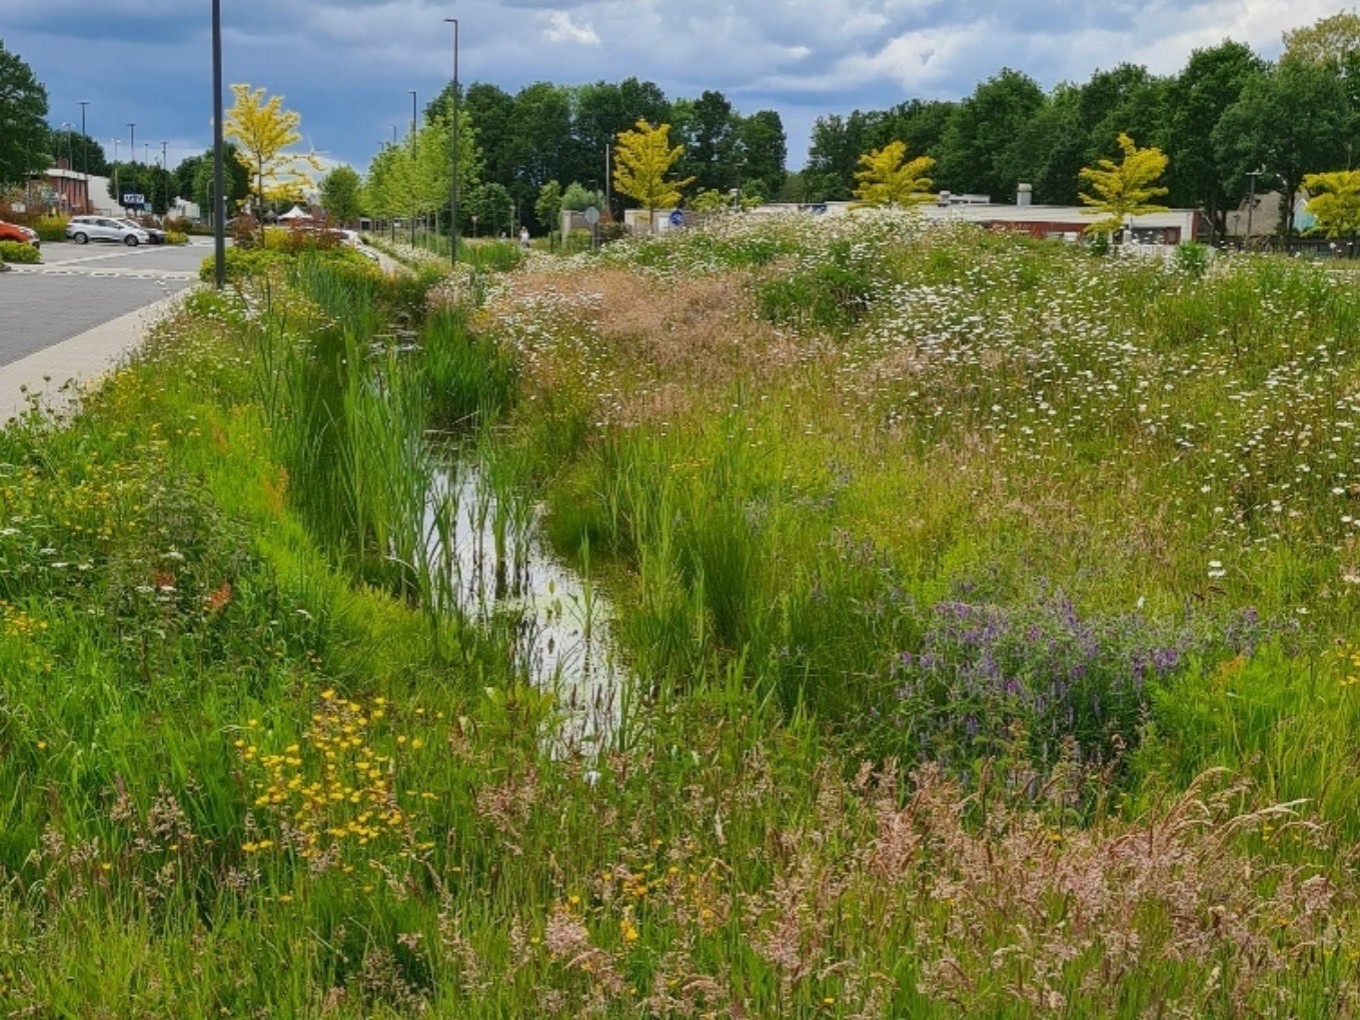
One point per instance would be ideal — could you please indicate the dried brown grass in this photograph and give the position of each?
(672, 345)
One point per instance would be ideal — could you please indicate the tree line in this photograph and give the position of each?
(1228, 121)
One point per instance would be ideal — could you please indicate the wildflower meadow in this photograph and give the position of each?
(986, 609)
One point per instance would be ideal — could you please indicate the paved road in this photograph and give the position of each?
(79, 287)
(80, 312)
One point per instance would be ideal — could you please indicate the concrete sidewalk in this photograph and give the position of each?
(82, 359)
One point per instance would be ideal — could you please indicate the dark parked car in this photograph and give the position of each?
(156, 234)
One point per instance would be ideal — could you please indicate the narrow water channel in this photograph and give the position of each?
(504, 574)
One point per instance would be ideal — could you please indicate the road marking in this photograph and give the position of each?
(65, 269)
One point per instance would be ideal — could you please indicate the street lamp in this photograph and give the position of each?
(132, 147)
(414, 169)
(84, 152)
(1251, 201)
(453, 187)
(218, 213)
(67, 188)
(116, 192)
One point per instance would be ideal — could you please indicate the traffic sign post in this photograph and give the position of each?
(593, 219)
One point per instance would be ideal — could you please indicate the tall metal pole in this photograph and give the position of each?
(132, 148)
(453, 187)
(219, 214)
(84, 153)
(414, 170)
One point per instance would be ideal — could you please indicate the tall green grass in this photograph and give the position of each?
(185, 639)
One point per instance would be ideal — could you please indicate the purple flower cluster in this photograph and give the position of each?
(984, 672)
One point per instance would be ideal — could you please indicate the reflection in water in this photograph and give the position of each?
(501, 572)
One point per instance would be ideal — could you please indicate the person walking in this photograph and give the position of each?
(524, 237)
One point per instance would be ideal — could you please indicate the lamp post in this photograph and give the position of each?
(132, 140)
(219, 227)
(414, 169)
(117, 194)
(1251, 201)
(453, 187)
(67, 187)
(84, 153)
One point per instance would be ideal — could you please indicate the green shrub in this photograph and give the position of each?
(834, 294)
(242, 262)
(1192, 258)
(499, 256)
(51, 228)
(15, 251)
(302, 238)
(176, 237)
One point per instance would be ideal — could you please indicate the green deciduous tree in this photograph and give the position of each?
(234, 173)
(709, 135)
(548, 207)
(491, 203)
(342, 194)
(1288, 122)
(1198, 98)
(155, 184)
(642, 164)
(979, 151)
(540, 143)
(83, 153)
(23, 132)
(1327, 41)
(764, 153)
(888, 178)
(1336, 201)
(833, 156)
(578, 198)
(1126, 188)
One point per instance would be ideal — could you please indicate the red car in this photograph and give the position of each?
(14, 232)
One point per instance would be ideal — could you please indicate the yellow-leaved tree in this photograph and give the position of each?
(1124, 189)
(642, 160)
(262, 131)
(889, 178)
(1336, 201)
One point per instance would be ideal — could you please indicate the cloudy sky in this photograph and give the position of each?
(348, 65)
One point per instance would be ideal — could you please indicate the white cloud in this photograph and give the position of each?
(562, 29)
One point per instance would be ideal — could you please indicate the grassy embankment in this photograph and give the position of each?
(992, 605)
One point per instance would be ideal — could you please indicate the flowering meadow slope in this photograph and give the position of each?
(989, 604)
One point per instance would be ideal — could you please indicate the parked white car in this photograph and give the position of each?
(83, 229)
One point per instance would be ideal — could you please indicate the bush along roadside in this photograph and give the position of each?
(14, 251)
